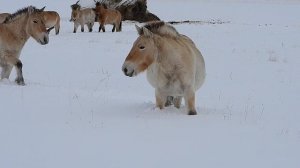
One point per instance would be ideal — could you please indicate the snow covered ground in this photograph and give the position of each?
(78, 110)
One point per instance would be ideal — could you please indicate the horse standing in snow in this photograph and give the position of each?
(175, 67)
(108, 16)
(52, 19)
(3, 16)
(82, 17)
(14, 32)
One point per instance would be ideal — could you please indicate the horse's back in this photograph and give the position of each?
(112, 16)
(88, 15)
(51, 18)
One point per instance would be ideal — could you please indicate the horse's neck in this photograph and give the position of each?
(165, 59)
(18, 29)
(102, 10)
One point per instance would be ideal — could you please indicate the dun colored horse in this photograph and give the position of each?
(108, 16)
(14, 32)
(52, 19)
(82, 17)
(175, 67)
(3, 16)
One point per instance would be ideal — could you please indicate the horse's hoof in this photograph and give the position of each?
(20, 81)
(192, 113)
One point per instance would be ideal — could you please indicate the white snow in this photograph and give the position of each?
(78, 110)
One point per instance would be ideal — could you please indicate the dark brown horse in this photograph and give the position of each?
(108, 16)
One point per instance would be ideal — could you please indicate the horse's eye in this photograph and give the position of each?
(35, 21)
(142, 47)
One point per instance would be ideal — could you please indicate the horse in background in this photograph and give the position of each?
(3, 16)
(82, 17)
(175, 67)
(108, 16)
(52, 19)
(14, 32)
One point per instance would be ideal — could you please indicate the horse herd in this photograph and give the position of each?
(174, 65)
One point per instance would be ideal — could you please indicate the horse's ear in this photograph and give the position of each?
(77, 2)
(147, 32)
(138, 29)
(43, 9)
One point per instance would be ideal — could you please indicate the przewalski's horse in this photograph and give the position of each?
(175, 67)
(52, 19)
(108, 16)
(82, 17)
(14, 32)
(3, 16)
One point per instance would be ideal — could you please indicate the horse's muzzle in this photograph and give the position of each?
(44, 40)
(128, 72)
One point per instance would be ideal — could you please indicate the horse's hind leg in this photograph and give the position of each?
(170, 100)
(189, 99)
(177, 101)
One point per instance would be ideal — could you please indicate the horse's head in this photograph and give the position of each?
(75, 11)
(36, 25)
(143, 53)
(74, 15)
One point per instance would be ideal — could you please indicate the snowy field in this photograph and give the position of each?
(78, 110)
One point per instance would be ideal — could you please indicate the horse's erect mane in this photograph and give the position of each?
(75, 6)
(161, 28)
(20, 12)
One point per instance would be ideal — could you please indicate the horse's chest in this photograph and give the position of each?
(170, 83)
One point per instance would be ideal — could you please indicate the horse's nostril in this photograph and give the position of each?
(45, 40)
(125, 70)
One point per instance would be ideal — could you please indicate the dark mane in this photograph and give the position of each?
(75, 6)
(162, 28)
(20, 12)
(101, 4)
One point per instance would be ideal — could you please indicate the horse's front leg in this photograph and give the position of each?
(114, 28)
(160, 99)
(12, 60)
(189, 99)
(100, 26)
(75, 27)
(6, 70)
(102, 23)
